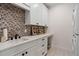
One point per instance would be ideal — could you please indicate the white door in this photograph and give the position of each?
(76, 19)
(76, 30)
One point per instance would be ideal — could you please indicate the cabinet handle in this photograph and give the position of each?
(42, 45)
(43, 39)
(23, 54)
(26, 52)
(37, 23)
(43, 53)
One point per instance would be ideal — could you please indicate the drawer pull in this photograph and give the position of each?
(37, 23)
(23, 54)
(26, 52)
(43, 53)
(43, 45)
(43, 39)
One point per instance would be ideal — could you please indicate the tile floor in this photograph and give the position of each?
(58, 52)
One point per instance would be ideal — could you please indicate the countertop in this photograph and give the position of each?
(24, 39)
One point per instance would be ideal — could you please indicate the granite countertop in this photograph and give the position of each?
(24, 39)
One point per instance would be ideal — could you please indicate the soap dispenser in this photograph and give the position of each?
(5, 35)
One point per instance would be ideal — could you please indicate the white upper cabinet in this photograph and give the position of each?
(33, 16)
(35, 13)
(22, 5)
(38, 14)
(44, 15)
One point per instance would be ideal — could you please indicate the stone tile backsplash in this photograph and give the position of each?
(13, 18)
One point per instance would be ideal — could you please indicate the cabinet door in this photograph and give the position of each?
(36, 51)
(44, 46)
(35, 13)
(44, 15)
(38, 14)
(24, 53)
(75, 44)
(9, 52)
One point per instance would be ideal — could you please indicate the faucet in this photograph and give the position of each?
(17, 36)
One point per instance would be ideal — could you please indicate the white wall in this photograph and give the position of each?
(60, 24)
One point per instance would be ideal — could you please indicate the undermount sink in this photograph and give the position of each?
(24, 39)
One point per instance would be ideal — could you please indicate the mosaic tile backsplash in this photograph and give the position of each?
(12, 18)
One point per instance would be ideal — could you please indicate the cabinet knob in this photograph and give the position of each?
(43, 39)
(42, 45)
(26, 52)
(43, 53)
(23, 54)
(37, 23)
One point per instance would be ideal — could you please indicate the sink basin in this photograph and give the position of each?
(24, 39)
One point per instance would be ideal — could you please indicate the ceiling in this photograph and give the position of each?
(49, 5)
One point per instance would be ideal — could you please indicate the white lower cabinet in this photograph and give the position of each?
(9, 52)
(33, 48)
(33, 51)
(44, 46)
(24, 53)
(36, 51)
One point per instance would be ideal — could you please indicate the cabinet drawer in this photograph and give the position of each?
(44, 46)
(44, 50)
(36, 47)
(35, 51)
(44, 39)
(9, 52)
(25, 46)
(24, 53)
(16, 49)
(44, 42)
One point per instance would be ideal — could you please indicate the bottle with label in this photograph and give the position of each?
(5, 36)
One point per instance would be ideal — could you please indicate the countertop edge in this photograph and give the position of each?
(11, 46)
